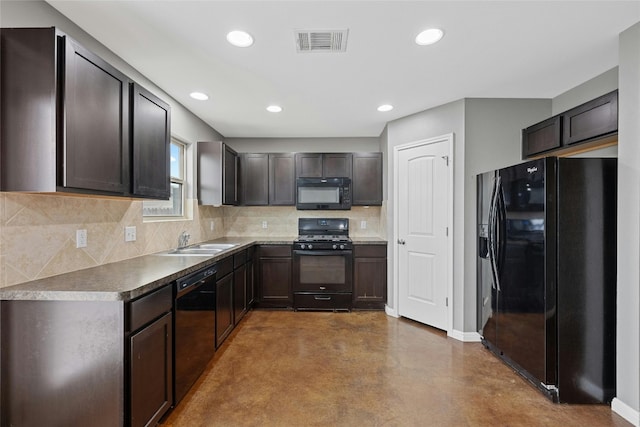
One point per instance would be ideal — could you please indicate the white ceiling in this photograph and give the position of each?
(508, 49)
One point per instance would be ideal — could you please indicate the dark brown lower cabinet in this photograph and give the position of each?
(150, 357)
(369, 277)
(224, 300)
(239, 293)
(274, 274)
(251, 292)
(151, 376)
(62, 363)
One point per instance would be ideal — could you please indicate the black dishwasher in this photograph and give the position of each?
(194, 328)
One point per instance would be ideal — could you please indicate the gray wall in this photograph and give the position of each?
(593, 88)
(493, 129)
(308, 145)
(628, 324)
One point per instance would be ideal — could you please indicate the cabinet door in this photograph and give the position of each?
(250, 283)
(230, 176)
(151, 376)
(96, 116)
(254, 179)
(151, 134)
(367, 179)
(541, 137)
(336, 165)
(282, 179)
(591, 120)
(275, 282)
(370, 276)
(308, 165)
(239, 293)
(224, 308)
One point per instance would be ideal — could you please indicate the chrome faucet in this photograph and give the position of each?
(183, 240)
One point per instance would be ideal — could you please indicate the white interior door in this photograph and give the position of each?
(423, 238)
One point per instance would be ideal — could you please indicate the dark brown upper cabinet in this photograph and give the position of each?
(582, 128)
(254, 179)
(541, 137)
(367, 179)
(267, 179)
(594, 119)
(282, 179)
(217, 174)
(323, 165)
(151, 138)
(64, 113)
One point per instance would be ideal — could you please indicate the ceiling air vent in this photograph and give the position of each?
(321, 40)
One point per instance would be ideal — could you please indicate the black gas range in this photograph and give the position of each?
(323, 234)
(322, 265)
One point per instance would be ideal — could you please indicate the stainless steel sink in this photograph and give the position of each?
(221, 246)
(204, 249)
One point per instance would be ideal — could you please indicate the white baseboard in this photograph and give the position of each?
(464, 336)
(391, 311)
(625, 411)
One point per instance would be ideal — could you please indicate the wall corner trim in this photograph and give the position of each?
(625, 411)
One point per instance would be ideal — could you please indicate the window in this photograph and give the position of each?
(174, 207)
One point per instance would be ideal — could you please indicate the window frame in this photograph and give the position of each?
(181, 181)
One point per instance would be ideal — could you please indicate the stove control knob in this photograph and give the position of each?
(302, 246)
(335, 246)
(341, 246)
(310, 246)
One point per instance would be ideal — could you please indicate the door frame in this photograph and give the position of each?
(449, 139)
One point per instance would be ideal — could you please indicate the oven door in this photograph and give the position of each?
(319, 271)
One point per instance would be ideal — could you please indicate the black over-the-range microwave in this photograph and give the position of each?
(323, 193)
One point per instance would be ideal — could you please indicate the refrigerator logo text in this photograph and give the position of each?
(532, 170)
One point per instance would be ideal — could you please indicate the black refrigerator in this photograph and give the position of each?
(547, 274)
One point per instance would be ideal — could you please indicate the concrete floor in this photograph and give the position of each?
(283, 368)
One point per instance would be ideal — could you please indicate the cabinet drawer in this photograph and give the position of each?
(239, 259)
(149, 307)
(275, 251)
(370, 251)
(225, 267)
(309, 301)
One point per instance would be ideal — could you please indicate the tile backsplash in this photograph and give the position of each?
(38, 231)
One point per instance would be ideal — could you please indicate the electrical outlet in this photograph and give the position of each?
(264, 224)
(81, 238)
(363, 224)
(212, 225)
(130, 234)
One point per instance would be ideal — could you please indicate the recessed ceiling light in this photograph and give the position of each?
(199, 96)
(429, 36)
(274, 108)
(240, 38)
(385, 107)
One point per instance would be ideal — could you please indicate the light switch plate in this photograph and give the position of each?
(363, 224)
(130, 234)
(81, 238)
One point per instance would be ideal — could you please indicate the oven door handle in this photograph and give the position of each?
(323, 253)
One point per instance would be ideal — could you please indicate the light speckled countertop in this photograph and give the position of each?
(129, 279)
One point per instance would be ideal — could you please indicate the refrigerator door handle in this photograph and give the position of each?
(492, 233)
(501, 226)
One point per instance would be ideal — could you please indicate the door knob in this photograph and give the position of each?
(401, 242)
